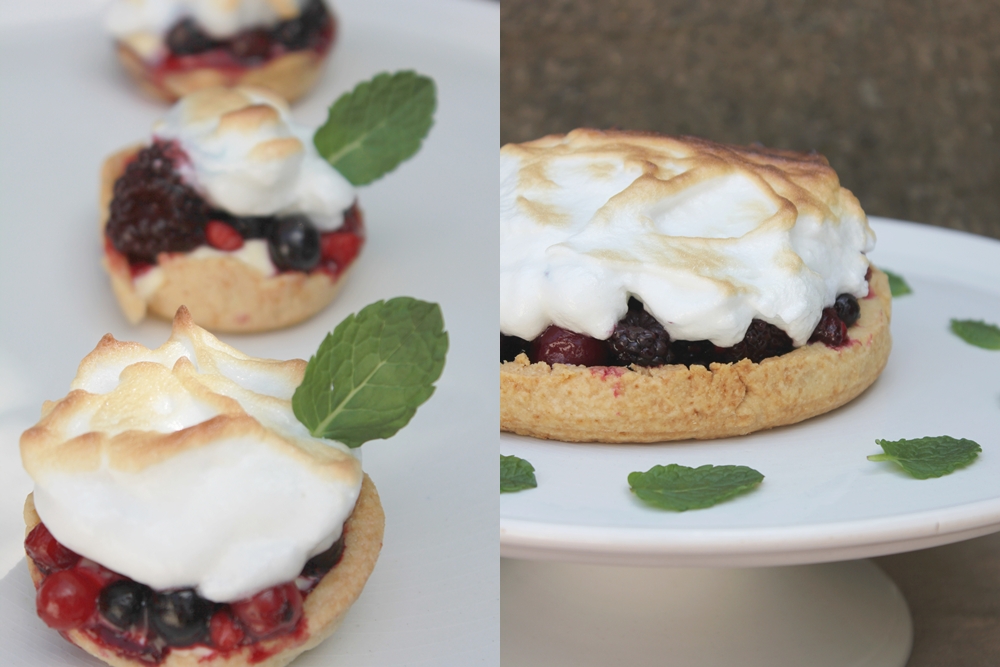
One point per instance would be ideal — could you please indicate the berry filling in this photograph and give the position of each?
(137, 622)
(155, 211)
(189, 47)
(641, 340)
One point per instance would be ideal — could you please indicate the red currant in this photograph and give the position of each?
(225, 632)
(47, 553)
(340, 247)
(273, 611)
(67, 599)
(222, 236)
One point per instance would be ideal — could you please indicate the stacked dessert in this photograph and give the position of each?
(175, 47)
(658, 288)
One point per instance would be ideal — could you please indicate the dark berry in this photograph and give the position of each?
(323, 562)
(847, 309)
(251, 46)
(294, 244)
(222, 236)
(186, 38)
(353, 221)
(46, 552)
(180, 617)
(556, 345)
(762, 340)
(640, 339)
(224, 632)
(153, 211)
(273, 611)
(67, 599)
(831, 330)
(511, 346)
(251, 227)
(693, 352)
(123, 602)
(304, 30)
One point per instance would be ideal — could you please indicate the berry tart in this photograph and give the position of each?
(230, 211)
(658, 288)
(175, 47)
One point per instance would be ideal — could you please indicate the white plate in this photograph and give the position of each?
(433, 598)
(821, 500)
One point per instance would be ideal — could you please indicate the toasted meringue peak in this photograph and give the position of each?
(248, 157)
(185, 466)
(707, 236)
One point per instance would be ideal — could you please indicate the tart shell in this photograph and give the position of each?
(634, 404)
(222, 293)
(323, 609)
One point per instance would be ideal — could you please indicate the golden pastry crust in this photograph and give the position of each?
(323, 610)
(614, 404)
(222, 293)
(291, 75)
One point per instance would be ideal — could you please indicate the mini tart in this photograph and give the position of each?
(617, 404)
(221, 293)
(323, 609)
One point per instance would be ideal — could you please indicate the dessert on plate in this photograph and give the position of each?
(232, 211)
(658, 288)
(175, 47)
(183, 515)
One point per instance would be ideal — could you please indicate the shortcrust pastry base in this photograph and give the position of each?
(291, 75)
(323, 610)
(222, 293)
(634, 404)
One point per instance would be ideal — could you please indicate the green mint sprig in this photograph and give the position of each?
(924, 458)
(679, 488)
(978, 333)
(372, 373)
(380, 123)
(516, 474)
(897, 285)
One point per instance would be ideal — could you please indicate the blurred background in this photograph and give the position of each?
(902, 96)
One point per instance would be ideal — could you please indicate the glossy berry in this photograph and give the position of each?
(187, 38)
(47, 553)
(271, 612)
(340, 248)
(251, 46)
(847, 309)
(153, 211)
(640, 339)
(511, 346)
(67, 599)
(762, 340)
(321, 563)
(556, 345)
(225, 633)
(180, 617)
(294, 244)
(222, 236)
(831, 330)
(123, 602)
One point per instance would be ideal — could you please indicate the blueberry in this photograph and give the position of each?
(847, 308)
(294, 244)
(123, 602)
(322, 563)
(186, 38)
(181, 617)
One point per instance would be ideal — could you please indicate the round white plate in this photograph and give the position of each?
(66, 104)
(821, 499)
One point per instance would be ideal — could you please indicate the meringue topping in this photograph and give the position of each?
(184, 466)
(707, 236)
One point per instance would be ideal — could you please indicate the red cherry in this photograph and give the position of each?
(67, 599)
(46, 552)
(226, 634)
(831, 330)
(271, 612)
(340, 247)
(556, 345)
(222, 236)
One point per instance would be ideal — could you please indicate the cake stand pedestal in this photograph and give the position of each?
(827, 615)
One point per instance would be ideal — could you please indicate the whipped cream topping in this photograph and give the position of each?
(248, 157)
(184, 466)
(707, 236)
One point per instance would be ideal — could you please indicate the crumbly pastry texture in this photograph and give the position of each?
(222, 293)
(323, 609)
(620, 405)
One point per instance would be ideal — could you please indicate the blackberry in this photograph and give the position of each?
(153, 211)
(831, 330)
(847, 309)
(303, 30)
(511, 346)
(186, 38)
(693, 352)
(640, 339)
(762, 340)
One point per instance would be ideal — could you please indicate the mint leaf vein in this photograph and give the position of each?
(516, 474)
(924, 458)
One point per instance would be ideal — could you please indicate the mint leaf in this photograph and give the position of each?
(679, 488)
(372, 373)
(924, 458)
(380, 123)
(516, 474)
(897, 286)
(978, 333)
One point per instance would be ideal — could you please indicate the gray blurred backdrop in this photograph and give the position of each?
(902, 96)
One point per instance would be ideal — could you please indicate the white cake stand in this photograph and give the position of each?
(774, 577)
